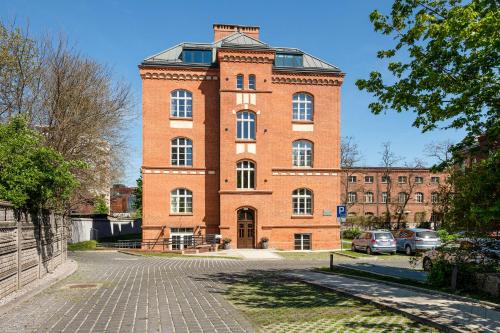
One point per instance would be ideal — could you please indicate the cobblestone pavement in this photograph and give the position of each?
(139, 294)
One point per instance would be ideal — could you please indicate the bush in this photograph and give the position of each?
(351, 233)
(445, 236)
(83, 246)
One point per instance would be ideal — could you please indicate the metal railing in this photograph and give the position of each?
(190, 242)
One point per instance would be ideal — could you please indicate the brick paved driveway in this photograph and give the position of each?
(140, 294)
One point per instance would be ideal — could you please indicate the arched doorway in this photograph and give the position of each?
(246, 228)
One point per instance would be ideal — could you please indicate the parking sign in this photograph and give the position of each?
(341, 211)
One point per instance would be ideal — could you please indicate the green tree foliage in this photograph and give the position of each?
(32, 176)
(450, 80)
(100, 206)
(138, 198)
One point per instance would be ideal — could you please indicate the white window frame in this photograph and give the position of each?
(301, 239)
(434, 197)
(419, 197)
(245, 121)
(400, 196)
(352, 179)
(434, 180)
(175, 150)
(245, 175)
(419, 180)
(352, 197)
(384, 197)
(402, 179)
(181, 201)
(240, 81)
(368, 179)
(176, 111)
(302, 201)
(302, 107)
(369, 197)
(385, 179)
(302, 153)
(251, 82)
(181, 237)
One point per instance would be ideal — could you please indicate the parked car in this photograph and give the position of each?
(375, 241)
(416, 239)
(470, 250)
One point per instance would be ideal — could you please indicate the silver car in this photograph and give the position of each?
(416, 239)
(375, 241)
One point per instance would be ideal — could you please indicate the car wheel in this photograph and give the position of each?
(408, 250)
(368, 250)
(353, 248)
(427, 264)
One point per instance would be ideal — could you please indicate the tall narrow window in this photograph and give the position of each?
(181, 201)
(251, 82)
(245, 125)
(245, 175)
(302, 106)
(239, 81)
(181, 104)
(302, 201)
(369, 197)
(419, 197)
(181, 152)
(434, 197)
(352, 197)
(402, 197)
(302, 152)
(385, 197)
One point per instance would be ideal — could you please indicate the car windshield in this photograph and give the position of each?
(427, 234)
(383, 235)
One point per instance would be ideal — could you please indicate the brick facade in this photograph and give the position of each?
(414, 212)
(216, 151)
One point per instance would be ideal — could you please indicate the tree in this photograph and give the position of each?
(408, 188)
(33, 176)
(451, 78)
(100, 206)
(389, 159)
(138, 198)
(349, 158)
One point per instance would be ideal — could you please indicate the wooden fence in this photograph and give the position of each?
(30, 247)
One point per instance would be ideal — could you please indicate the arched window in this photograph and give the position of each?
(434, 197)
(369, 197)
(181, 152)
(352, 197)
(302, 153)
(251, 82)
(385, 197)
(402, 197)
(419, 197)
(181, 201)
(239, 81)
(302, 106)
(302, 201)
(245, 125)
(181, 104)
(245, 175)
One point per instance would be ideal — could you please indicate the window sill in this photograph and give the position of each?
(302, 216)
(245, 141)
(180, 214)
(181, 118)
(303, 122)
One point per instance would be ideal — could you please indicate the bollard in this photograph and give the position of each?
(331, 261)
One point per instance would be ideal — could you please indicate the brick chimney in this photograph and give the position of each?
(223, 30)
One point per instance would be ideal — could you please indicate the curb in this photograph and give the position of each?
(492, 306)
(368, 300)
(131, 253)
(73, 266)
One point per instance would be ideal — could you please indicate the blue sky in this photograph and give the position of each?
(122, 33)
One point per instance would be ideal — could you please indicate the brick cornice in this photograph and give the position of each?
(322, 79)
(179, 74)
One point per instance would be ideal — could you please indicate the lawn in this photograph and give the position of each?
(277, 305)
(83, 246)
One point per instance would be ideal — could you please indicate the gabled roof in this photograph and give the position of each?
(172, 56)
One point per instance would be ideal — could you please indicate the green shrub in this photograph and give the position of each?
(441, 272)
(351, 233)
(445, 236)
(83, 246)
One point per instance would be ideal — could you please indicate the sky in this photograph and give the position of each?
(122, 33)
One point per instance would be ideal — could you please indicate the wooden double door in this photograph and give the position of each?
(246, 228)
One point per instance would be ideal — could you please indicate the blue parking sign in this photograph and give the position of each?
(341, 211)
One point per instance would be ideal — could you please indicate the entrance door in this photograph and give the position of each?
(246, 228)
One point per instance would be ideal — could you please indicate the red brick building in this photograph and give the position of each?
(411, 192)
(122, 199)
(241, 138)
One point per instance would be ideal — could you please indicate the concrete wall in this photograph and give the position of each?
(97, 228)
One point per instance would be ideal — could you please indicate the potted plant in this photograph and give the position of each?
(227, 243)
(264, 241)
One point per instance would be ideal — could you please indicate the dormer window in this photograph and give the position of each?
(197, 56)
(288, 60)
